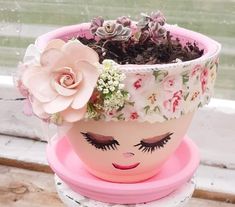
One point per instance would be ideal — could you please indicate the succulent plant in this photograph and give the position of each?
(143, 22)
(149, 27)
(95, 24)
(157, 32)
(153, 25)
(158, 17)
(125, 21)
(113, 30)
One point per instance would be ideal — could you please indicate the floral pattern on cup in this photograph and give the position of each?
(162, 95)
(64, 82)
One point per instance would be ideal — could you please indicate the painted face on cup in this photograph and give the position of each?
(128, 162)
(126, 151)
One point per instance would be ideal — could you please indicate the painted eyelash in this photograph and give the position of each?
(112, 144)
(150, 147)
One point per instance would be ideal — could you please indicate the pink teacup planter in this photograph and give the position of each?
(125, 120)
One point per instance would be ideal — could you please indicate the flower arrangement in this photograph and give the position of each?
(82, 78)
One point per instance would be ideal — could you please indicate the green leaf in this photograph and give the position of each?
(207, 63)
(165, 117)
(200, 105)
(186, 96)
(156, 108)
(121, 117)
(160, 75)
(131, 103)
(146, 109)
(185, 78)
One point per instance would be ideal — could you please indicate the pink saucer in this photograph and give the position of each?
(176, 172)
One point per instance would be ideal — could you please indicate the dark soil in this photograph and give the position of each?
(146, 52)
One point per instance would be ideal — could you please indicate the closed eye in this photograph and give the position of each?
(150, 145)
(100, 141)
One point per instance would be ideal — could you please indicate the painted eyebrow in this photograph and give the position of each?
(156, 138)
(100, 138)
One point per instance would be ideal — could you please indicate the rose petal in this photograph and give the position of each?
(85, 89)
(64, 91)
(55, 43)
(32, 54)
(39, 84)
(27, 108)
(78, 80)
(77, 51)
(54, 59)
(38, 109)
(59, 104)
(27, 72)
(72, 115)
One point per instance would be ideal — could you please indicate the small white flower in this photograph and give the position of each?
(121, 86)
(110, 82)
(112, 88)
(115, 83)
(100, 81)
(103, 76)
(99, 88)
(106, 91)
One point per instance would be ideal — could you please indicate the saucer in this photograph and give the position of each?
(179, 169)
(178, 198)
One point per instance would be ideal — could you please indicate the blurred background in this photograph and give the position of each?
(23, 20)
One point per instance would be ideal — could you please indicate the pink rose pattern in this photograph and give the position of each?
(204, 79)
(174, 103)
(172, 95)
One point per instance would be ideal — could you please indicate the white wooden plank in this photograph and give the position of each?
(208, 178)
(12, 119)
(23, 150)
(215, 179)
(213, 131)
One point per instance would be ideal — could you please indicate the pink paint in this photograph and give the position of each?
(176, 171)
(128, 154)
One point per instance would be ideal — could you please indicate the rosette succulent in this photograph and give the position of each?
(114, 31)
(111, 30)
(125, 21)
(153, 25)
(95, 24)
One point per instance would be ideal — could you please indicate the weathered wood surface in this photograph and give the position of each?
(212, 182)
(25, 188)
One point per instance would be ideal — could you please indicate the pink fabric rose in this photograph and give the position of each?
(64, 81)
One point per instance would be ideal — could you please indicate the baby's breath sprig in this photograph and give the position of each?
(110, 89)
